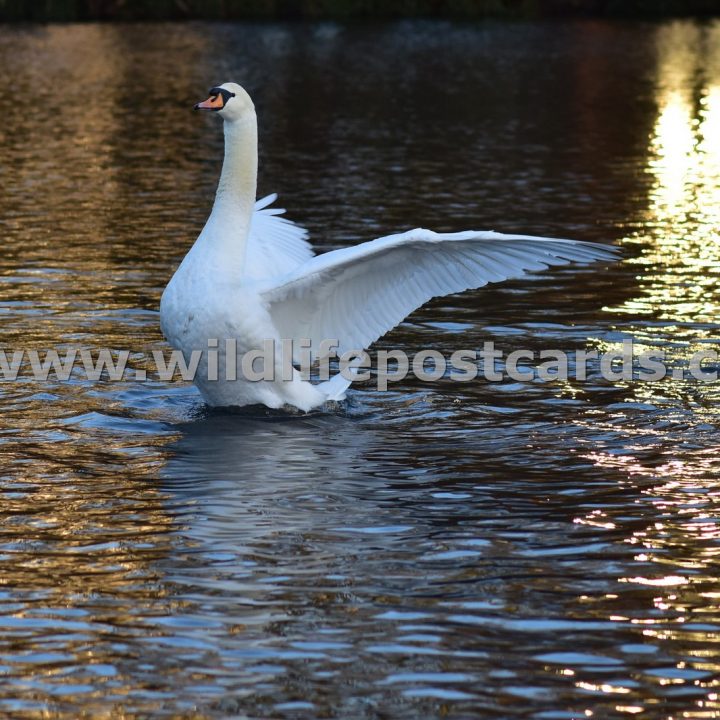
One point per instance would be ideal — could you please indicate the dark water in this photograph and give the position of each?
(536, 550)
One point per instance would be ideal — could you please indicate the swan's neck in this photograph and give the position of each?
(236, 189)
(229, 221)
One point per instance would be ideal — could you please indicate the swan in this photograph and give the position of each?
(252, 276)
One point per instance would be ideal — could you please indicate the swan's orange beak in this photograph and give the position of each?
(214, 102)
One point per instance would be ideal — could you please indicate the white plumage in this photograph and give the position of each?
(359, 293)
(275, 245)
(251, 276)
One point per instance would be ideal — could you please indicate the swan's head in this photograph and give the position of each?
(229, 101)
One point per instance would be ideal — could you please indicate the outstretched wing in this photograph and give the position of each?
(357, 294)
(275, 245)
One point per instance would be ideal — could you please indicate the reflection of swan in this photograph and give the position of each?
(251, 277)
(253, 480)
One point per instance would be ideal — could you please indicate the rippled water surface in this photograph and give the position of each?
(539, 550)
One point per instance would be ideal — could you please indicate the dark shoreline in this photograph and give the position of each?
(347, 10)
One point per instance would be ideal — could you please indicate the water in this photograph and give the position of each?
(535, 550)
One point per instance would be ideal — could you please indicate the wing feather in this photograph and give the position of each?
(276, 245)
(357, 294)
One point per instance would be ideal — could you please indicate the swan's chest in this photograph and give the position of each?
(189, 308)
(197, 306)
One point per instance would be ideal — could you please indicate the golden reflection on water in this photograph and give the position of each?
(82, 523)
(679, 292)
(680, 265)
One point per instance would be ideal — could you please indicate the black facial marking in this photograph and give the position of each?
(226, 95)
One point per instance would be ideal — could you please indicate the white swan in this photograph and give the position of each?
(252, 276)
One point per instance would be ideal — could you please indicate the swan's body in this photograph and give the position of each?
(251, 276)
